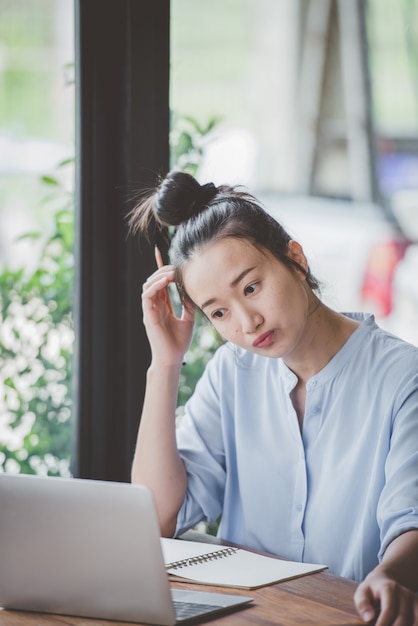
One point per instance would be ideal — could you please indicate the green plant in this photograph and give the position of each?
(204, 343)
(188, 141)
(36, 331)
(36, 341)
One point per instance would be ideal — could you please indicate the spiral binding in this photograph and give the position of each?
(203, 558)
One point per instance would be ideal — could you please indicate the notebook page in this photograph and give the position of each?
(178, 549)
(240, 568)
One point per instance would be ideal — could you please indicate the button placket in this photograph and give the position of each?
(299, 502)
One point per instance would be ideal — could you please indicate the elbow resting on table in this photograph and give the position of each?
(166, 520)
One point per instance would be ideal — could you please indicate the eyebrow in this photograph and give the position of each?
(234, 283)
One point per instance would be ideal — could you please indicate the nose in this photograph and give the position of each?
(250, 321)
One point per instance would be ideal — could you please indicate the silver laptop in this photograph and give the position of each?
(92, 549)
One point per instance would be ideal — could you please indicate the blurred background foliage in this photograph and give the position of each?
(36, 329)
(36, 346)
(188, 140)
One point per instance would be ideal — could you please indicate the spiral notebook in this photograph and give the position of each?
(211, 564)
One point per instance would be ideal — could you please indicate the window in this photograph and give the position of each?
(36, 234)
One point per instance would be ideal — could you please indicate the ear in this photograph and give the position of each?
(295, 252)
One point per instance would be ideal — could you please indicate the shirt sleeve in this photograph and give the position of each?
(200, 443)
(398, 504)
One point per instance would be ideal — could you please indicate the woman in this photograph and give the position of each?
(303, 430)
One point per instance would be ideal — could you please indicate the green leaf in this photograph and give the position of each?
(31, 235)
(65, 162)
(49, 180)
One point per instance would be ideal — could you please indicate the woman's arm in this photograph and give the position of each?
(388, 593)
(157, 463)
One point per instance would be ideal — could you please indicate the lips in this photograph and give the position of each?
(264, 340)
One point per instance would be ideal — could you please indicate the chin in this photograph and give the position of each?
(270, 352)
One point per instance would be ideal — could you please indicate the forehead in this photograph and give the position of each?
(217, 265)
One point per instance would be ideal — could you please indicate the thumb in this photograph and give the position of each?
(188, 312)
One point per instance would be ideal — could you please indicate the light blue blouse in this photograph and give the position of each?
(338, 493)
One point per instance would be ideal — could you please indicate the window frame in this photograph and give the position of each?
(122, 144)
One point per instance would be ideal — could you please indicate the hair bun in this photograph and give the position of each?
(180, 197)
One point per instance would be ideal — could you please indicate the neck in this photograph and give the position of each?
(325, 334)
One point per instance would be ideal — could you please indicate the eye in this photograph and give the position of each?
(251, 288)
(218, 314)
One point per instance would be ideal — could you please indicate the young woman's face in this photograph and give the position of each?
(251, 298)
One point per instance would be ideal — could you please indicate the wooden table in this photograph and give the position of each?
(316, 600)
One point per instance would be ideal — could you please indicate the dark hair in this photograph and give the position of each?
(205, 213)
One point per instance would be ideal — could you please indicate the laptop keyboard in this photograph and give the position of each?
(186, 610)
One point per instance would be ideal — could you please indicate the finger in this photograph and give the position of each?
(390, 607)
(365, 603)
(402, 616)
(154, 292)
(164, 271)
(406, 615)
(156, 283)
(394, 608)
(167, 299)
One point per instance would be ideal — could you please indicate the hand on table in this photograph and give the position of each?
(385, 602)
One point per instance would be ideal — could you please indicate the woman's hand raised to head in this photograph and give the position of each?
(157, 462)
(169, 336)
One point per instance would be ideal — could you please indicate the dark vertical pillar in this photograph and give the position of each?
(122, 86)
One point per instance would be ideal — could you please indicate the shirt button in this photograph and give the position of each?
(299, 507)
